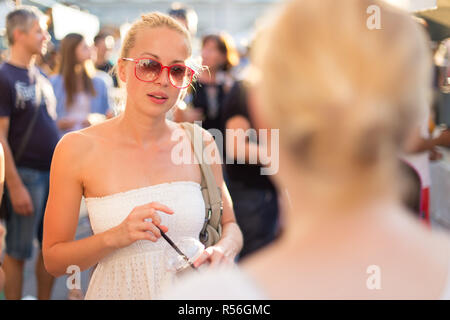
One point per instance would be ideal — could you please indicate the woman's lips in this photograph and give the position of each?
(157, 98)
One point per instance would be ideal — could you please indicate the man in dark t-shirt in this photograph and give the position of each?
(29, 135)
(19, 103)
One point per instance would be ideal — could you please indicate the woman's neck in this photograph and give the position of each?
(142, 129)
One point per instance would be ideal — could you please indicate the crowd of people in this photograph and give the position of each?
(352, 187)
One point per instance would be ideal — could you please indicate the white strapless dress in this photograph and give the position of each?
(139, 270)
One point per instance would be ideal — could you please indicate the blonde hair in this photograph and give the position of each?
(344, 96)
(153, 20)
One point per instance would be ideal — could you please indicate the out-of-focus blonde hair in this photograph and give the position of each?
(343, 96)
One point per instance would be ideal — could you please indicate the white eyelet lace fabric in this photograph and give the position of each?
(139, 270)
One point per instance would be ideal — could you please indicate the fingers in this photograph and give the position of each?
(217, 258)
(202, 259)
(150, 211)
(214, 255)
(151, 215)
(205, 257)
(150, 227)
(163, 228)
(160, 207)
(148, 236)
(147, 222)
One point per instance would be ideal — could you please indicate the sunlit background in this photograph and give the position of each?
(237, 17)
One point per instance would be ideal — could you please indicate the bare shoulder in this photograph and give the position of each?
(431, 242)
(100, 131)
(414, 263)
(439, 247)
(68, 156)
(78, 146)
(426, 257)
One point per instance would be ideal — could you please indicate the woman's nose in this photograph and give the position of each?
(163, 78)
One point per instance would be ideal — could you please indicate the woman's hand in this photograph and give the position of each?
(138, 227)
(214, 255)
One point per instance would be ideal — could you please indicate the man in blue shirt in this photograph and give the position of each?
(29, 134)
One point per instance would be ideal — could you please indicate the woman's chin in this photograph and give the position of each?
(155, 110)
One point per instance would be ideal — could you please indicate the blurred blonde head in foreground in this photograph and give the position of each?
(343, 96)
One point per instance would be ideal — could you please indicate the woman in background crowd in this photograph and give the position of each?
(79, 94)
(208, 93)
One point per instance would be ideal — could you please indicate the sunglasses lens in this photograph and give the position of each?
(180, 76)
(148, 69)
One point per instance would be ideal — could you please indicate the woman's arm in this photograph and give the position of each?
(231, 241)
(62, 212)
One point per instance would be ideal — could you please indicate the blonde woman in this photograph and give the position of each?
(338, 92)
(139, 187)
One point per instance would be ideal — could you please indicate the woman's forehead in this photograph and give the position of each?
(167, 44)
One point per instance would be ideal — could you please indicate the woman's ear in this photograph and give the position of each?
(122, 70)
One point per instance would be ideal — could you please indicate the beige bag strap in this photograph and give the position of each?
(211, 193)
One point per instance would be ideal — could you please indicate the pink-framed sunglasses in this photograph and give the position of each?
(148, 70)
